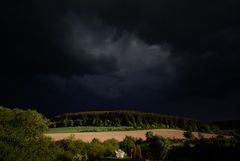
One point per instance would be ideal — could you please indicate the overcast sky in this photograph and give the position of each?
(164, 56)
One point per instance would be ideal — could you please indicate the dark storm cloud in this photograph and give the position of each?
(137, 62)
(179, 56)
(33, 43)
(203, 35)
(185, 24)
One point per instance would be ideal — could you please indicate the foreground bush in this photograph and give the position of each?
(21, 136)
(110, 146)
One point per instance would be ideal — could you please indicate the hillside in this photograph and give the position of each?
(138, 120)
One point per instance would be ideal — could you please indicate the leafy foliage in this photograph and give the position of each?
(21, 136)
(110, 146)
(157, 147)
(127, 144)
(188, 135)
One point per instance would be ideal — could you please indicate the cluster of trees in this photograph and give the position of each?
(21, 136)
(139, 120)
(219, 148)
(82, 151)
(228, 127)
(156, 148)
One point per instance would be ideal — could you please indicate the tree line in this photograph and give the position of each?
(138, 120)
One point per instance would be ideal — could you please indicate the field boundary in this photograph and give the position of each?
(120, 135)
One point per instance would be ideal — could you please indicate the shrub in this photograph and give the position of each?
(21, 136)
(95, 151)
(73, 146)
(110, 146)
(188, 135)
(155, 147)
(127, 144)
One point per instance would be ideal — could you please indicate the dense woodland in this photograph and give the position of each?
(138, 120)
(22, 139)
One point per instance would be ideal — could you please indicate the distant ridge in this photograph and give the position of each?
(228, 124)
(136, 119)
(116, 111)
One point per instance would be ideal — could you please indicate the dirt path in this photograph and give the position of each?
(120, 135)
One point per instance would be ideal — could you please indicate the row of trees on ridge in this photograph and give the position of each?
(130, 118)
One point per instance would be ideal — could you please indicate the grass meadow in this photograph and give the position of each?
(88, 129)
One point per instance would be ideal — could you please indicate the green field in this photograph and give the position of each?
(87, 129)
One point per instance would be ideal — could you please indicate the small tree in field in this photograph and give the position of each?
(188, 135)
(157, 147)
(127, 144)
